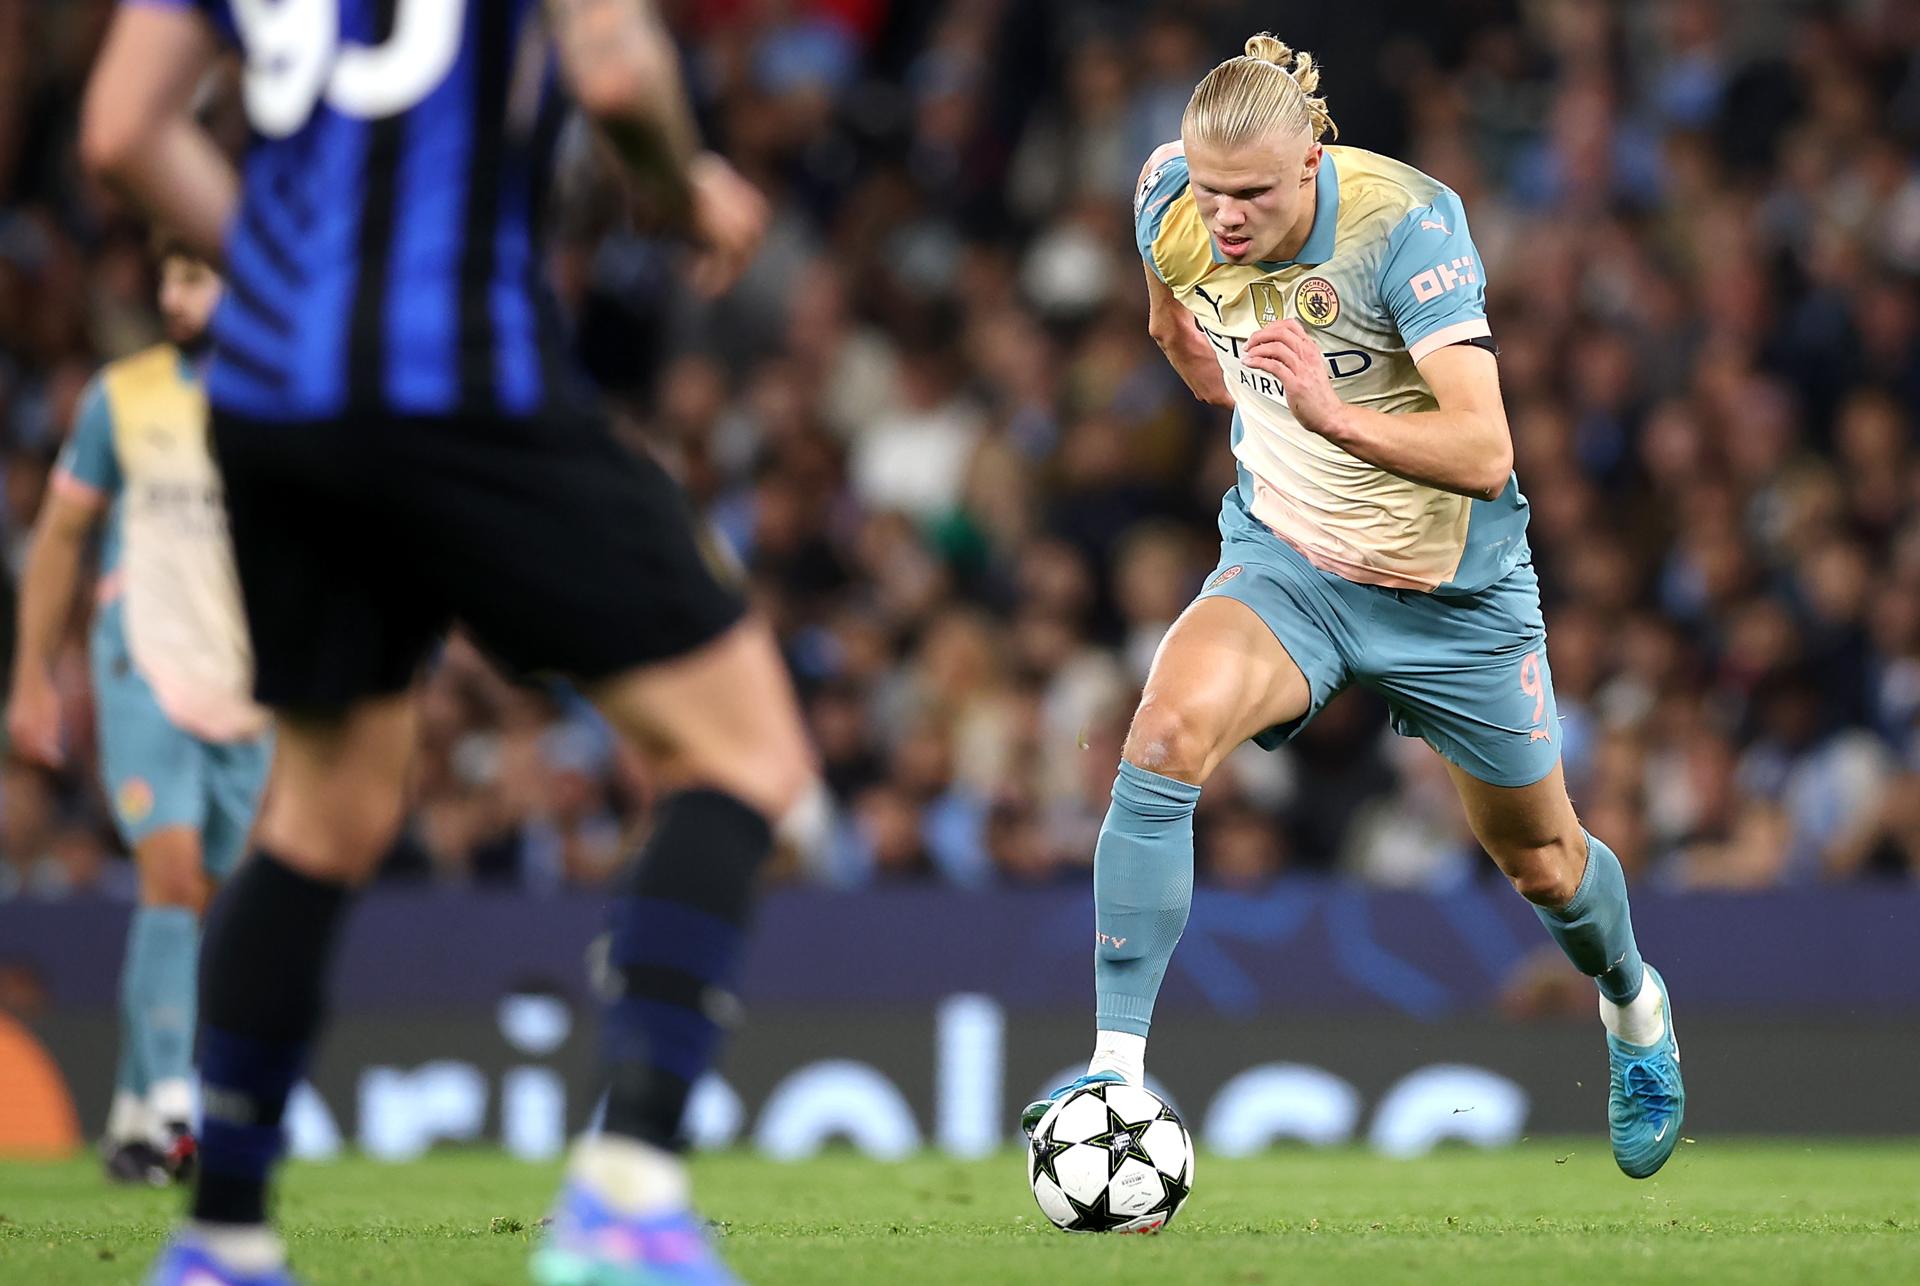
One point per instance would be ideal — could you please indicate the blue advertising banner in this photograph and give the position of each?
(1304, 946)
(907, 1018)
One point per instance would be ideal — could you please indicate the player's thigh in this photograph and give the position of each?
(339, 604)
(1254, 656)
(236, 780)
(562, 551)
(339, 785)
(723, 715)
(1221, 676)
(1470, 677)
(151, 770)
(566, 553)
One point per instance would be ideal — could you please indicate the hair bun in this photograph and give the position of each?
(1242, 98)
(1269, 48)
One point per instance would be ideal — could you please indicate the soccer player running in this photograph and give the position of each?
(184, 748)
(1376, 535)
(404, 446)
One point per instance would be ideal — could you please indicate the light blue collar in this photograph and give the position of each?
(191, 369)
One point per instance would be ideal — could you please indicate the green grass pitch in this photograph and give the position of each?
(1800, 1211)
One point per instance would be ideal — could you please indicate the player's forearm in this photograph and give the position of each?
(46, 598)
(1178, 335)
(650, 155)
(179, 176)
(137, 130)
(625, 75)
(1468, 453)
(1192, 359)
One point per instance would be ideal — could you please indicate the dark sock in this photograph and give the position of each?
(678, 930)
(262, 981)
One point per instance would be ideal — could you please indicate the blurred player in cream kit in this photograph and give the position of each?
(1375, 535)
(184, 749)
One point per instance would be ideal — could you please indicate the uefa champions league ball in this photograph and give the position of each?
(1110, 1158)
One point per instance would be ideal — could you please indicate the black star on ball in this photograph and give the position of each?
(1122, 1140)
(1097, 1215)
(1046, 1153)
(1177, 1190)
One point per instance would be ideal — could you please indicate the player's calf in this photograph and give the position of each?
(269, 946)
(159, 989)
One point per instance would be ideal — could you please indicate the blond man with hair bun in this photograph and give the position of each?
(1375, 535)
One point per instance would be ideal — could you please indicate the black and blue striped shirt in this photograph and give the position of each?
(386, 253)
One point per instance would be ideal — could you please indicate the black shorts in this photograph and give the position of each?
(360, 541)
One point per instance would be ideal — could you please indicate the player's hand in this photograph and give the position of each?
(1285, 351)
(729, 219)
(33, 721)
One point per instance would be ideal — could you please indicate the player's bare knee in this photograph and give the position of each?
(1167, 740)
(771, 780)
(1545, 871)
(337, 831)
(174, 884)
(170, 869)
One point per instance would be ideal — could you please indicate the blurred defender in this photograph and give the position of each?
(1333, 298)
(404, 446)
(184, 749)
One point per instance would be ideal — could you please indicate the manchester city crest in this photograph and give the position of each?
(1317, 302)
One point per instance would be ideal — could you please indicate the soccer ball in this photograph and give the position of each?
(1110, 1158)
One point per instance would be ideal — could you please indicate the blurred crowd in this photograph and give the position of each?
(957, 475)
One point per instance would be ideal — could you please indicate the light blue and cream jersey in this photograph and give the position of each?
(1388, 275)
(140, 446)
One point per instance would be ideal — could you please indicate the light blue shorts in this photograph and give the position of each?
(159, 776)
(1467, 674)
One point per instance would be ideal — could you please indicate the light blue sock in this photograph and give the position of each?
(128, 1075)
(1596, 929)
(157, 990)
(1142, 891)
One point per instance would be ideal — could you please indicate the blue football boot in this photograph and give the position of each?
(1031, 1114)
(1645, 1097)
(184, 1262)
(589, 1244)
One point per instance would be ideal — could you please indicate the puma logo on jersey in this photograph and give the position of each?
(1436, 225)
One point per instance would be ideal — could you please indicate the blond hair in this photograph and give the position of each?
(1267, 90)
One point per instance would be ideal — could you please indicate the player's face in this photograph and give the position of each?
(1256, 198)
(189, 291)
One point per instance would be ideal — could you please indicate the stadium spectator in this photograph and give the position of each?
(931, 428)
